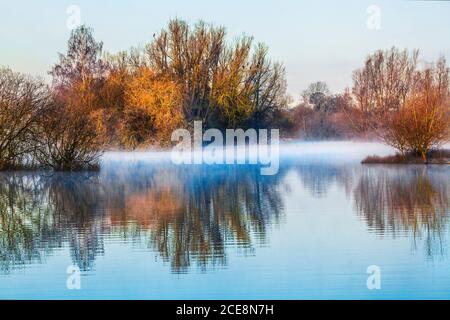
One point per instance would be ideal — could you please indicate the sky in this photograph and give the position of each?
(315, 40)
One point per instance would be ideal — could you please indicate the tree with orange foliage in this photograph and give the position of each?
(225, 85)
(423, 122)
(382, 85)
(153, 109)
(66, 136)
(112, 97)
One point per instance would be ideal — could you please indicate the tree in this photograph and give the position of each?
(232, 90)
(189, 57)
(383, 84)
(153, 109)
(66, 137)
(110, 115)
(322, 114)
(317, 95)
(222, 84)
(81, 69)
(423, 122)
(67, 134)
(407, 106)
(82, 62)
(22, 100)
(268, 81)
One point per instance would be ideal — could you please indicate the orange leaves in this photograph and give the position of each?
(157, 102)
(408, 105)
(423, 123)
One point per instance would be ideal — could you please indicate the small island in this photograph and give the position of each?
(438, 156)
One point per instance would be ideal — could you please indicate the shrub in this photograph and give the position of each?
(22, 100)
(66, 138)
(423, 122)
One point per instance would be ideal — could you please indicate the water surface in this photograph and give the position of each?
(143, 228)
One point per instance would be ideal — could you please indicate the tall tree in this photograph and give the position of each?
(384, 82)
(190, 57)
(317, 95)
(67, 135)
(423, 122)
(222, 84)
(82, 62)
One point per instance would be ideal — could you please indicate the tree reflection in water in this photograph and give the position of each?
(40, 213)
(391, 199)
(394, 200)
(189, 215)
(26, 227)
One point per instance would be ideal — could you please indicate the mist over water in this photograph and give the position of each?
(298, 149)
(144, 227)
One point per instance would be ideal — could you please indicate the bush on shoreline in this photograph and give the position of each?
(406, 106)
(439, 156)
(22, 100)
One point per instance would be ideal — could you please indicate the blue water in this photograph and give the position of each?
(143, 228)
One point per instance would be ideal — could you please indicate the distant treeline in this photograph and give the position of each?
(136, 99)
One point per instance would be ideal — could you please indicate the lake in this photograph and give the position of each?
(144, 228)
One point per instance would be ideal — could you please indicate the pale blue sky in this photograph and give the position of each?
(316, 40)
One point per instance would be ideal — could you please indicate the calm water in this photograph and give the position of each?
(144, 228)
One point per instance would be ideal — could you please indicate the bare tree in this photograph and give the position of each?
(268, 83)
(81, 68)
(82, 62)
(22, 100)
(66, 138)
(423, 122)
(383, 84)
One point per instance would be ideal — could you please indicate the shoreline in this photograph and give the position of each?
(436, 157)
(362, 152)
